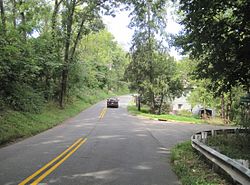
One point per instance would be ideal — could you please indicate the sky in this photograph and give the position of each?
(118, 26)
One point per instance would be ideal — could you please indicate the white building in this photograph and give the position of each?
(181, 104)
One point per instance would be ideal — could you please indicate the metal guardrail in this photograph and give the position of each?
(238, 173)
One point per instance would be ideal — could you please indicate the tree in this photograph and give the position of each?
(3, 18)
(39, 44)
(101, 62)
(200, 92)
(166, 84)
(244, 118)
(86, 15)
(217, 35)
(148, 23)
(200, 95)
(18, 63)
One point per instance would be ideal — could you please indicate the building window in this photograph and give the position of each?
(179, 106)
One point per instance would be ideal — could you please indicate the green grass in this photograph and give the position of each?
(191, 169)
(15, 125)
(169, 117)
(223, 144)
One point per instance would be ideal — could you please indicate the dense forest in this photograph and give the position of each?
(54, 51)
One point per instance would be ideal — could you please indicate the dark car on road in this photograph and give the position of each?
(113, 102)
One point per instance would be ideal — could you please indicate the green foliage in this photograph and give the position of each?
(201, 95)
(164, 85)
(217, 36)
(166, 108)
(104, 59)
(186, 67)
(2, 104)
(45, 54)
(223, 144)
(24, 98)
(185, 113)
(189, 167)
(152, 71)
(199, 92)
(244, 113)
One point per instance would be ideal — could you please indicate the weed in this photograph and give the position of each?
(189, 167)
(235, 146)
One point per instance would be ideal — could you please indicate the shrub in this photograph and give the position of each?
(1, 104)
(166, 108)
(24, 98)
(185, 113)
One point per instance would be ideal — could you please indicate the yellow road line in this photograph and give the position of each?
(100, 117)
(103, 112)
(48, 164)
(57, 164)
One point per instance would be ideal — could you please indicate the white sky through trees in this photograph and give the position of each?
(118, 26)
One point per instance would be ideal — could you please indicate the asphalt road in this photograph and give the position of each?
(103, 146)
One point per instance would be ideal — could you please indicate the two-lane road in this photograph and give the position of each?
(98, 146)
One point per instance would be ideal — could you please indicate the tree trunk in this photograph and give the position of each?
(222, 107)
(229, 107)
(65, 71)
(139, 102)
(63, 85)
(78, 38)
(54, 17)
(3, 18)
(161, 102)
(14, 13)
(23, 22)
(47, 87)
(152, 105)
(55, 48)
(204, 116)
(150, 57)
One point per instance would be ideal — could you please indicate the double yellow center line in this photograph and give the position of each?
(103, 112)
(53, 164)
(47, 169)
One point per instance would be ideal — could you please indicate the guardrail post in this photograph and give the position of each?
(237, 131)
(213, 133)
(198, 137)
(203, 136)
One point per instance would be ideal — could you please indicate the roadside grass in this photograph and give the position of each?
(191, 169)
(15, 125)
(169, 117)
(223, 144)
